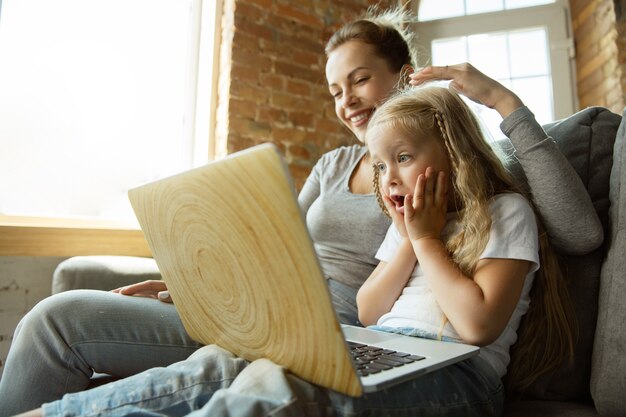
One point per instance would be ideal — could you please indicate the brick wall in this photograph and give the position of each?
(599, 62)
(272, 83)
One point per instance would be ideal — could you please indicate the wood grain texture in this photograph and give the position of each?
(231, 244)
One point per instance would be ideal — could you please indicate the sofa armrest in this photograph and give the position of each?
(102, 272)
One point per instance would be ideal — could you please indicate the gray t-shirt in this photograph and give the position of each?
(346, 228)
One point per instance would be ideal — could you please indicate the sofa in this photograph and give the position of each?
(593, 140)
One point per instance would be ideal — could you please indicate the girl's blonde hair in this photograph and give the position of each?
(547, 332)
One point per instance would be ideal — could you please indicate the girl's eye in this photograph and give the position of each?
(336, 95)
(403, 158)
(380, 167)
(361, 80)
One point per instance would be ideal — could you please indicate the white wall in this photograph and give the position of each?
(24, 281)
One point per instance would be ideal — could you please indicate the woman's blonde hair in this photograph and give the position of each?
(547, 332)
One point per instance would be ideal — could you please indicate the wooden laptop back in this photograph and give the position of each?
(231, 245)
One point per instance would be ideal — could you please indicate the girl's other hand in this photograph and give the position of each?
(397, 218)
(425, 210)
(150, 289)
(473, 84)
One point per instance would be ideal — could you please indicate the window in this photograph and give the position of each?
(99, 96)
(524, 44)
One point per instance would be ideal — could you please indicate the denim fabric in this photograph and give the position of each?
(59, 343)
(64, 338)
(411, 331)
(212, 382)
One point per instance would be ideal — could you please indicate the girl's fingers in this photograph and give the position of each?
(441, 190)
(430, 185)
(391, 208)
(418, 194)
(408, 206)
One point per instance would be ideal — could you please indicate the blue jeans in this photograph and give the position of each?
(63, 339)
(213, 382)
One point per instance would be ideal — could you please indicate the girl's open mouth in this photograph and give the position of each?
(399, 202)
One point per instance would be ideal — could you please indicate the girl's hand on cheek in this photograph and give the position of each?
(425, 210)
(396, 217)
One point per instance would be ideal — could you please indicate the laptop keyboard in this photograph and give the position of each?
(372, 359)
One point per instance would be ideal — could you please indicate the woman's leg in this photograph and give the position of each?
(64, 338)
(212, 382)
(470, 389)
(175, 390)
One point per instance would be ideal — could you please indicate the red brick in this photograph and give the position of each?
(266, 4)
(297, 71)
(298, 152)
(299, 88)
(299, 15)
(248, 92)
(272, 116)
(237, 143)
(273, 82)
(288, 134)
(329, 126)
(300, 42)
(253, 29)
(301, 119)
(242, 108)
(251, 11)
(253, 59)
(244, 73)
(249, 128)
(307, 58)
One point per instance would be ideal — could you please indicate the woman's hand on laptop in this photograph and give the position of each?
(150, 289)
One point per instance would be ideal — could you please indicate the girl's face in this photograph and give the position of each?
(358, 79)
(400, 159)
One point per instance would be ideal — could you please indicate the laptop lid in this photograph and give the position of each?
(231, 244)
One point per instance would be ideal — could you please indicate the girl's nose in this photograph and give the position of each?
(391, 178)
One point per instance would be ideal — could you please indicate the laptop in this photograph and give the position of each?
(232, 245)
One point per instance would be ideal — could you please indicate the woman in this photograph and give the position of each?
(59, 344)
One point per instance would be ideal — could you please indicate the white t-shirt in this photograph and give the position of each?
(513, 235)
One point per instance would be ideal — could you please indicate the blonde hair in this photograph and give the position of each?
(387, 31)
(547, 332)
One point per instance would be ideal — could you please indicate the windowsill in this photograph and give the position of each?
(40, 236)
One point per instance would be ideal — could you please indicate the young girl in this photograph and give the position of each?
(459, 261)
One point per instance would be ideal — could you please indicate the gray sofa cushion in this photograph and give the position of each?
(586, 139)
(608, 377)
(102, 272)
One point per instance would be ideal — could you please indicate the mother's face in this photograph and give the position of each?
(358, 80)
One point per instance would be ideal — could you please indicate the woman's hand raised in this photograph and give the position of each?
(473, 84)
(150, 289)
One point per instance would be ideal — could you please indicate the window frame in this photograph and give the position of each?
(555, 18)
(45, 236)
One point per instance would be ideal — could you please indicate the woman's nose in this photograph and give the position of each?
(348, 99)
